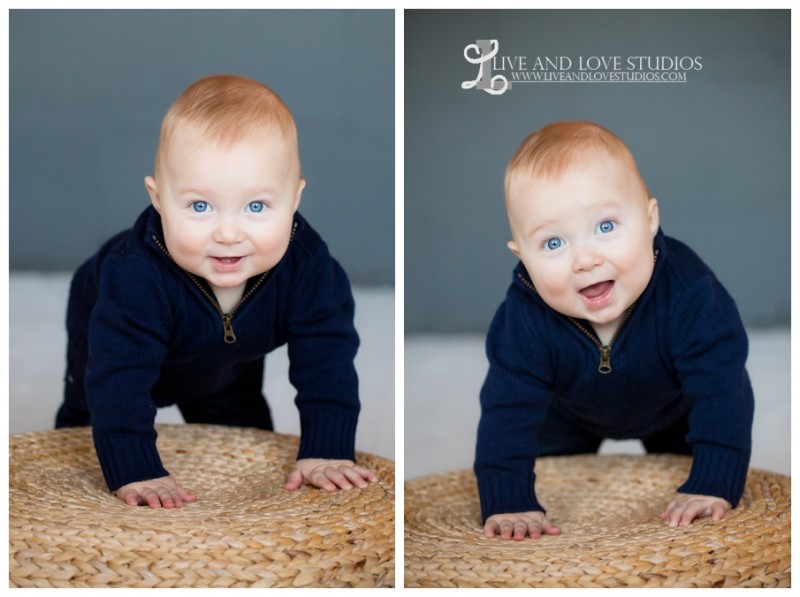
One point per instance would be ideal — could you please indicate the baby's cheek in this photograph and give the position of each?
(185, 242)
(558, 294)
(639, 268)
(552, 279)
(272, 247)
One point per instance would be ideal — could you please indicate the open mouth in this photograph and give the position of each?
(597, 293)
(227, 263)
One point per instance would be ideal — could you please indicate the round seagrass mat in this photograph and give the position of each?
(67, 530)
(607, 508)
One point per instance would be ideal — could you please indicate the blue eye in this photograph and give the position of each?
(553, 243)
(200, 207)
(255, 207)
(606, 226)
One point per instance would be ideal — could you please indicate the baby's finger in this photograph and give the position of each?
(717, 512)
(694, 509)
(506, 529)
(367, 474)
(318, 478)
(186, 495)
(338, 477)
(168, 500)
(364, 473)
(173, 496)
(548, 528)
(294, 481)
(151, 498)
(675, 514)
(490, 528)
(683, 513)
(532, 528)
(131, 498)
(356, 476)
(668, 510)
(521, 530)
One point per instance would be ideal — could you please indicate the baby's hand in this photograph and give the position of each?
(688, 506)
(155, 493)
(516, 526)
(328, 474)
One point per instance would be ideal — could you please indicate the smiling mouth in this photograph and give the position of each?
(226, 263)
(597, 293)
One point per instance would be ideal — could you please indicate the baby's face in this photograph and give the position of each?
(586, 238)
(227, 211)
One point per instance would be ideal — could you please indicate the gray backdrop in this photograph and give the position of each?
(715, 150)
(88, 90)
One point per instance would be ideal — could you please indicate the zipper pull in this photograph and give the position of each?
(227, 329)
(605, 360)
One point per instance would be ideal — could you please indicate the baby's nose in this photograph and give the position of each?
(227, 231)
(586, 258)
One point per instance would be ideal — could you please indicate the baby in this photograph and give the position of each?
(609, 330)
(220, 270)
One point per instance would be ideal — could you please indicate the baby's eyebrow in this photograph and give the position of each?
(262, 191)
(194, 191)
(542, 226)
(246, 193)
(603, 206)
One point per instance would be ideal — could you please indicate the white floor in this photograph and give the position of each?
(444, 374)
(37, 341)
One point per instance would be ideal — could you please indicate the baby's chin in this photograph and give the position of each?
(225, 284)
(604, 316)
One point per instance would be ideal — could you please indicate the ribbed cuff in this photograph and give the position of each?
(504, 492)
(128, 457)
(330, 434)
(717, 472)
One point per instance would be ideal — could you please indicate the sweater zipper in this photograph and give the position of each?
(228, 335)
(605, 349)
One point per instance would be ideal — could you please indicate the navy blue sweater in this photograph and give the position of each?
(157, 337)
(683, 349)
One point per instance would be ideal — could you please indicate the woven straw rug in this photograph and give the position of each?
(607, 508)
(67, 530)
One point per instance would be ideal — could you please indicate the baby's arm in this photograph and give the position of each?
(328, 474)
(682, 510)
(518, 525)
(322, 343)
(709, 346)
(156, 493)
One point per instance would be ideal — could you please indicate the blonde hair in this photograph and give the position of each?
(227, 109)
(550, 150)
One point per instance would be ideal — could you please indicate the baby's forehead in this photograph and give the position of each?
(600, 164)
(199, 135)
(581, 159)
(605, 179)
(188, 144)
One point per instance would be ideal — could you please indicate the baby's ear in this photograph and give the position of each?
(152, 190)
(300, 187)
(512, 246)
(652, 216)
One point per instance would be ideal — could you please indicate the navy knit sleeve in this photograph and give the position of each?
(322, 344)
(709, 347)
(514, 400)
(127, 345)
